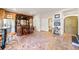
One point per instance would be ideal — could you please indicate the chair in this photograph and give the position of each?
(10, 36)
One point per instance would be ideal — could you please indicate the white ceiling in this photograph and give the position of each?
(34, 11)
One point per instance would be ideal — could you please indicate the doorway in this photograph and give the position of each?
(71, 25)
(50, 24)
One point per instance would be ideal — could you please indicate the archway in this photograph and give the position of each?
(71, 25)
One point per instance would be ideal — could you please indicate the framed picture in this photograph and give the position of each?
(57, 16)
(56, 23)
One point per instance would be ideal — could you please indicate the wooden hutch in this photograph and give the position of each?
(24, 24)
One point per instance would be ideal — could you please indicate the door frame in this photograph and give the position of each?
(50, 21)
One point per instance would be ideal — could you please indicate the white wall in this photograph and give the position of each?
(36, 22)
(44, 24)
(40, 23)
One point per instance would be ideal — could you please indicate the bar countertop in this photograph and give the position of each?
(4, 28)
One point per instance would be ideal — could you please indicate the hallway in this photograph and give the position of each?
(41, 41)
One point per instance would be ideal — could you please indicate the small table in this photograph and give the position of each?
(4, 32)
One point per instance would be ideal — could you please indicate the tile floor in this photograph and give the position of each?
(41, 41)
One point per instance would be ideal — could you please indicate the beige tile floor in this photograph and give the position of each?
(41, 41)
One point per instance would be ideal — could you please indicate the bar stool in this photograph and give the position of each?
(10, 37)
(0, 37)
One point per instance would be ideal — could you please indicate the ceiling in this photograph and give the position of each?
(34, 11)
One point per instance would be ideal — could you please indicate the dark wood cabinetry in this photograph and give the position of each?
(24, 24)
